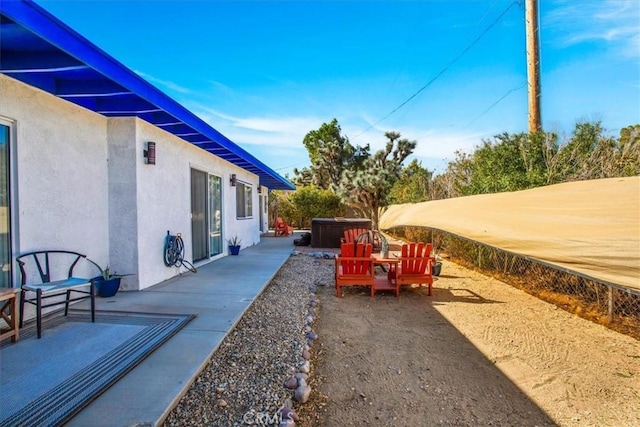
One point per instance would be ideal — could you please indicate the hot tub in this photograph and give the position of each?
(326, 232)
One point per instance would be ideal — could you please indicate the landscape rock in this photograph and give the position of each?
(291, 383)
(290, 414)
(301, 376)
(302, 394)
(305, 367)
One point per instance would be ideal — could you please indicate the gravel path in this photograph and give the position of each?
(245, 378)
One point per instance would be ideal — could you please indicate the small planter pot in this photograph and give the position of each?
(234, 250)
(437, 268)
(106, 288)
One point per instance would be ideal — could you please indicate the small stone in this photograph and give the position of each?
(312, 335)
(287, 403)
(289, 413)
(305, 367)
(302, 394)
(306, 355)
(287, 422)
(291, 383)
(312, 303)
(220, 390)
(309, 320)
(301, 376)
(222, 403)
(307, 328)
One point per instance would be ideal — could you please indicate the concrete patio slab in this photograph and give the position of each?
(219, 294)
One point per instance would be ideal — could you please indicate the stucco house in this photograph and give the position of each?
(95, 159)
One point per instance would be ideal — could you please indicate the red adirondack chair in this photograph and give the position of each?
(351, 234)
(354, 267)
(281, 228)
(415, 265)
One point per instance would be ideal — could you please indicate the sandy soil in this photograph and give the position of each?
(478, 352)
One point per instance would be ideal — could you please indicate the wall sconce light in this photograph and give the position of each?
(150, 153)
(233, 180)
(259, 189)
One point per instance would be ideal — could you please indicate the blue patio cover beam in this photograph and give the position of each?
(37, 62)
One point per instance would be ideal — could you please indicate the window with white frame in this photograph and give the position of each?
(244, 197)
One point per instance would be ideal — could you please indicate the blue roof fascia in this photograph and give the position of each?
(45, 25)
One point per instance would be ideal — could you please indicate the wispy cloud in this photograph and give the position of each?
(432, 142)
(616, 22)
(278, 139)
(272, 131)
(435, 147)
(221, 87)
(443, 145)
(165, 83)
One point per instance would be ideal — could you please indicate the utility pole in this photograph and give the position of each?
(533, 65)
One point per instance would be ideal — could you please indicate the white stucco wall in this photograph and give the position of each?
(164, 199)
(59, 179)
(82, 185)
(60, 193)
(123, 211)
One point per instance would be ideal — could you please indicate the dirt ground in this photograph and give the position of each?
(478, 352)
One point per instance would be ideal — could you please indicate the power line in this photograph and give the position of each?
(497, 102)
(484, 15)
(290, 166)
(456, 59)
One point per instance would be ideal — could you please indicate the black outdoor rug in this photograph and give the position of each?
(45, 382)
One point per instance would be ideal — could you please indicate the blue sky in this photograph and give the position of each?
(264, 73)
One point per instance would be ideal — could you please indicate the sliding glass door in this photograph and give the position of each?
(199, 215)
(215, 215)
(5, 209)
(206, 215)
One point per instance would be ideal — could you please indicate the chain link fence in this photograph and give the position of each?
(614, 306)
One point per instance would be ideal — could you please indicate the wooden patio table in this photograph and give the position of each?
(388, 283)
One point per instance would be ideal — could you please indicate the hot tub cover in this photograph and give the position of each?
(588, 227)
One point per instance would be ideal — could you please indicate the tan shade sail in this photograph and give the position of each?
(590, 227)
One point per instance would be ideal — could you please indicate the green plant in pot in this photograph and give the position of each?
(234, 245)
(107, 283)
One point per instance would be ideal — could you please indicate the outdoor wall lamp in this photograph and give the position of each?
(259, 189)
(233, 180)
(150, 153)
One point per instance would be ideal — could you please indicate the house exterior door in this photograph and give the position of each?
(215, 215)
(5, 207)
(261, 209)
(199, 215)
(206, 215)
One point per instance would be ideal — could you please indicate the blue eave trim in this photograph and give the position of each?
(43, 24)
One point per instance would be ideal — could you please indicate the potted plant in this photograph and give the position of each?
(234, 245)
(437, 266)
(108, 283)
